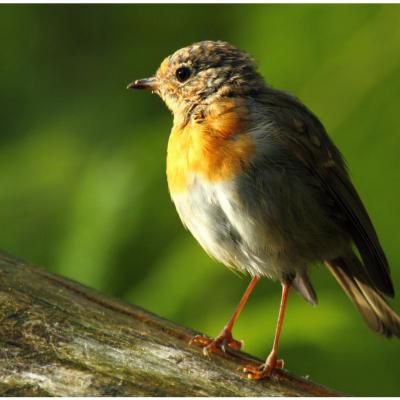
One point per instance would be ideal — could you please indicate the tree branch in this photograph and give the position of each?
(59, 338)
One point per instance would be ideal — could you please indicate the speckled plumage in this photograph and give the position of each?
(256, 179)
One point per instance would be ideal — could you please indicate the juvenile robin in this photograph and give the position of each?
(261, 186)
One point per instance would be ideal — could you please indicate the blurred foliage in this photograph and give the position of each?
(82, 162)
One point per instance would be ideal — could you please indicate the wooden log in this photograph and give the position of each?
(59, 338)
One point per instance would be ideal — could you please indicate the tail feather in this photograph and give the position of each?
(377, 313)
(302, 284)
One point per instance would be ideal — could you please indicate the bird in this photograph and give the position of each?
(261, 186)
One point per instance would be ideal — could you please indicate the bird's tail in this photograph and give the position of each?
(355, 281)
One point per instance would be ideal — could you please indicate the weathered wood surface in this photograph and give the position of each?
(60, 338)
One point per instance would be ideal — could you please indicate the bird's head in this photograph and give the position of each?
(200, 74)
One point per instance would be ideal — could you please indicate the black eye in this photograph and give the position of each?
(182, 74)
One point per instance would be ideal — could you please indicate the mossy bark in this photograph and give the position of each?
(59, 338)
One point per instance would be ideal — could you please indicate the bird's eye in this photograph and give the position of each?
(182, 74)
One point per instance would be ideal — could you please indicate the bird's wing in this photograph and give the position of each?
(304, 137)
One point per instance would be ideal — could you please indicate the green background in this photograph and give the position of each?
(82, 162)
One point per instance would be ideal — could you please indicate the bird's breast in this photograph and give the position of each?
(215, 147)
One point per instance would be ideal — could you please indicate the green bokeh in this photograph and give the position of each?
(82, 162)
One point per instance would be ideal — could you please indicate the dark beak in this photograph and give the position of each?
(147, 84)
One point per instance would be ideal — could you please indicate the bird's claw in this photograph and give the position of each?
(224, 342)
(200, 340)
(262, 371)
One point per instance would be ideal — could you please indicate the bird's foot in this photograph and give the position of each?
(224, 341)
(263, 371)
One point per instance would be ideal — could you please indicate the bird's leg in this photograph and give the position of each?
(265, 370)
(225, 339)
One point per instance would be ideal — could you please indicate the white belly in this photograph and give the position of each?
(225, 229)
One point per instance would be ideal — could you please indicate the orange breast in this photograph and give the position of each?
(216, 147)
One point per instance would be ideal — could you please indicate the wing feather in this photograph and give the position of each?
(304, 137)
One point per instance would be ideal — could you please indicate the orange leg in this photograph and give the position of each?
(265, 370)
(225, 337)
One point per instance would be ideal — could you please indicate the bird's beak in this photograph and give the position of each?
(147, 84)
